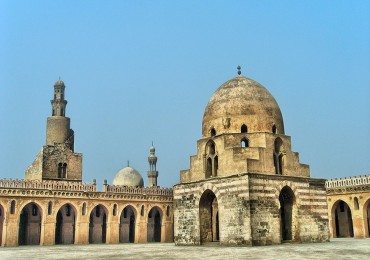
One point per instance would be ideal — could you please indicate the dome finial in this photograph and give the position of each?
(128, 163)
(239, 70)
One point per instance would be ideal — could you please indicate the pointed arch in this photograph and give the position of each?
(2, 218)
(279, 156)
(154, 227)
(29, 228)
(366, 210)
(127, 225)
(211, 159)
(98, 224)
(342, 219)
(208, 217)
(65, 225)
(287, 208)
(244, 142)
(244, 129)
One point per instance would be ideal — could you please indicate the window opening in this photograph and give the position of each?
(244, 129)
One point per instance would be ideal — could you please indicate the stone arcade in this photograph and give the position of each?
(246, 186)
(53, 206)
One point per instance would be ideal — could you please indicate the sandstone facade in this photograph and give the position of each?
(246, 186)
(349, 206)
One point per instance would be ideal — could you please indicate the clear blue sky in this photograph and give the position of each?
(143, 71)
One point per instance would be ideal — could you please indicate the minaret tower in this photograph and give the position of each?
(57, 159)
(152, 173)
(58, 125)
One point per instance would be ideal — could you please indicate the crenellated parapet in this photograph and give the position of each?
(348, 185)
(47, 184)
(155, 191)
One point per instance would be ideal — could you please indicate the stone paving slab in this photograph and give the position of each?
(343, 248)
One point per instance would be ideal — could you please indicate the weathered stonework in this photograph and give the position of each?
(349, 206)
(245, 185)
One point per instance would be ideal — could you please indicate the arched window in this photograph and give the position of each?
(211, 165)
(12, 207)
(142, 210)
(62, 170)
(168, 211)
(356, 203)
(50, 208)
(244, 129)
(84, 208)
(115, 210)
(244, 142)
(213, 131)
(278, 156)
(274, 130)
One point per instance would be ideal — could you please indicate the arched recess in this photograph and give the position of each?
(209, 217)
(211, 160)
(98, 225)
(244, 143)
(279, 156)
(244, 129)
(127, 225)
(342, 219)
(2, 217)
(154, 232)
(65, 225)
(29, 230)
(367, 218)
(287, 212)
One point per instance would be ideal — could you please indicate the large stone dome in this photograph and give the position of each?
(128, 177)
(242, 101)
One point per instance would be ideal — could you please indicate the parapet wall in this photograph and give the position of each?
(346, 182)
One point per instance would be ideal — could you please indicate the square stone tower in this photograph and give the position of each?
(57, 159)
(246, 186)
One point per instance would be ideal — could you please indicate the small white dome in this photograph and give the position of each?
(128, 177)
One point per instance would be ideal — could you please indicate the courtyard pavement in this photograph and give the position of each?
(343, 248)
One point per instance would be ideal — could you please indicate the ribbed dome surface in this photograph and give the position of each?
(128, 177)
(242, 101)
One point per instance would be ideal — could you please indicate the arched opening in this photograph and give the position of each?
(215, 166)
(343, 225)
(65, 225)
(213, 132)
(30, 225)
(98, 225)
(12, 207)
(127, 225)
(50, 208)
(209, 218)
(244, 129)
(286, 199)
(211, 161)
(62, 170)
(367, 218)
(355, 203)
(278, 156)
(244, 143)
(2, 217)
(274, 130)
(154, 225)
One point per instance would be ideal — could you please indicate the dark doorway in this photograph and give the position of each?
(65, 225)
(209, 218)
(98, 225)
(343, 220)
(154, 225)
(29, 231)
(2, 216)
(127, 225)
(286, 199)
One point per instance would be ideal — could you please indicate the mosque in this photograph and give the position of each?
(245, 186)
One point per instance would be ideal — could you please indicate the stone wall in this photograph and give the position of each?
(232, 196)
